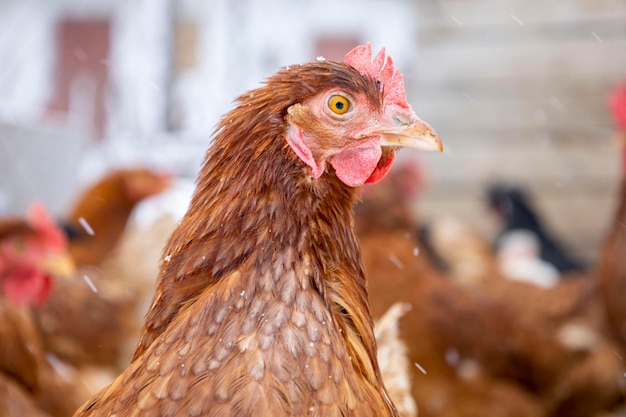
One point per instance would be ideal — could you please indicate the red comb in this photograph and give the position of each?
(617, 103)
(40, 220)
(381, 69)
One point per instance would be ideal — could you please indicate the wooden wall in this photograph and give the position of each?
(518, 92)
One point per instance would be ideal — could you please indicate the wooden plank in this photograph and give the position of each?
(554, 167)
(553, 88)
(566, 60)
(466, 13)
(436, 34)
(514, 113)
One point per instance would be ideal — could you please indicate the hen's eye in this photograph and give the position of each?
(338, 104)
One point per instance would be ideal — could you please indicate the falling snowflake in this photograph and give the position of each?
(86, 226)
(422, 370)
(90, 284)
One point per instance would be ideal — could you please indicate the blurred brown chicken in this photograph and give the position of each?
(99, 216)
(440, 326)
(32, 382)
(484, 345)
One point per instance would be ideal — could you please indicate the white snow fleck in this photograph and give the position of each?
(63, 370)
(595, 35)
(516, 19)
(168, 258)
(242, 293)
(86, 226)
(422, 370)
(416, 251)
(457, 21)
(321, 59)
(397, 262)
(90, 283)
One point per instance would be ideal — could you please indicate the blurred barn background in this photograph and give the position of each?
(517, 90)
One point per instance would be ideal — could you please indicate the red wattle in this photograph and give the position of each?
(381, 169)
(355, 165)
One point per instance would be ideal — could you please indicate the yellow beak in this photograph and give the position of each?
(59, 265)
(418, 135)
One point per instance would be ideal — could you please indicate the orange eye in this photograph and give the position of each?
(338, 104)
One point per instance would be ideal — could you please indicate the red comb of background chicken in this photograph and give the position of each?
(24, 278)
(617, 104)
(381, 69)
(45, 226)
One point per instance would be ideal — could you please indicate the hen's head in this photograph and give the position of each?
(357, 119)
(31, 253)
(337, 118)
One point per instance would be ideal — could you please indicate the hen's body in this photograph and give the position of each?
(272, 310)
(261, 306)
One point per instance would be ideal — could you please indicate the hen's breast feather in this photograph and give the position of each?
(256, 330)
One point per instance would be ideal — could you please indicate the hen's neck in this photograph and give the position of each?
(255, 200)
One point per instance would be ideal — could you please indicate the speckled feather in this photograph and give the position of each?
(261, 304)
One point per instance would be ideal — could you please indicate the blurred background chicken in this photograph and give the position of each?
(483, 344)
(99, 215)
(102, 302)
(522, 227)
(33, 256)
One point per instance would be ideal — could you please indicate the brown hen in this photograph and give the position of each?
(487, 345)
(261, 304)
(99, 215)
(32, 252)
